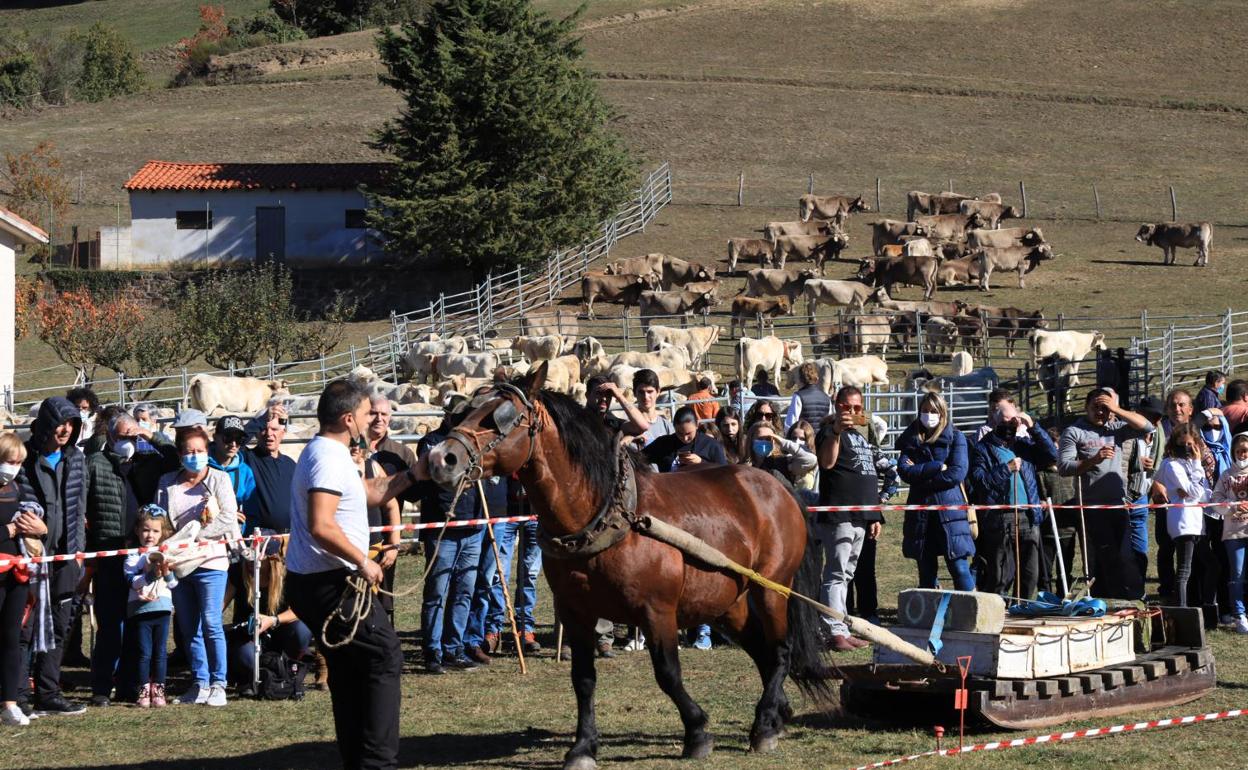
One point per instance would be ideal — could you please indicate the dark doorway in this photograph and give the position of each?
(271, 234)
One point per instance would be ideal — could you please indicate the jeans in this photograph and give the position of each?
(1165, 556)
(448, 592)
(12, 606)
(151, 633)
(197, 600)
(488, 608)
(528, 567)
(1236, 550)
(841, 545)
(935, 545)
(363, 675)
(1195, 561)
(1138, 522)
(863, 599)
(294, 639)
(111, 591)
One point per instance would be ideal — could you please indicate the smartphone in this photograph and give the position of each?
(860, 418)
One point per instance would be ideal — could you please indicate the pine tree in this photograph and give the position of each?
(503, 146)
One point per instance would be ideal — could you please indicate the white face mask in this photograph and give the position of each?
(124, 448)
(1215, 435)
(1240, 464)
(8, 472)
(929, 419)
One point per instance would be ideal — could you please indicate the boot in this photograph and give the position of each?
(145, 697)
(158, 696)
(492, 643)
(531, 645)
(322, 672)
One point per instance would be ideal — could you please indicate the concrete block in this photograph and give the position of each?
(968, 610)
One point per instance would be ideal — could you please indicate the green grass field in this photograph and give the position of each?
(496, 718)
(149, 24)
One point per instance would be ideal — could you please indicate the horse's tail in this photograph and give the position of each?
(814, 675)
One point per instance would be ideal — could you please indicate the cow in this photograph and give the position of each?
(588, 349)
(669, 303)
(750, 308)
(961, 363)
(971, 334)
(904, 270)
(904, 329)
(940, 203)
(1069, 346)
(826, 291)
(761, 282)
(958, 272)
(376, 386)
(924, 308)
(467, 364)
(701, 287)
(536, 349)
(1007, 236)
(830, 206)
(860, 372)
(562, 374)
(542, 322)
(872, 330)
(773, 230)
(771, 354)
(818, 247)
(747, 249)
(232, 395)
(991, 213)
(887, 231)
(679, 272)
(695, 341)
(950, 227)
(941, 334)
(1022, 259)
(1169, 236)
(1009, 322)
(623, 289)
(649, 263)
(417, 363)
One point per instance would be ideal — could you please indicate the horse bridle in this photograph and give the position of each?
(506, 419)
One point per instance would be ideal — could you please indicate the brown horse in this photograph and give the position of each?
(569, 465)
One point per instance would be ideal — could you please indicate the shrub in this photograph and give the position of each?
(19, 76)
(109, 65)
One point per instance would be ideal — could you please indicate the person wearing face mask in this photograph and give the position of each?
(88, 405)
(1181, 483)
(19, 523)
(1232, 492)
(199, 493)
(933, 462)
(1091, 451)
(120, 481)
(1211, 395)
(1003, 472)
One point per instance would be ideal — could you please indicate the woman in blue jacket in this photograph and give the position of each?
(933, 462)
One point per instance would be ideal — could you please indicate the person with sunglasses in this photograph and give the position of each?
(225, 453)
(269, 507)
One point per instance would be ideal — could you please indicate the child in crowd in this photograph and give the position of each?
(1232, 491)
(1182, 483)
(151, 602)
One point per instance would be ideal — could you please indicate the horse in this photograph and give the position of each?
(598, 566)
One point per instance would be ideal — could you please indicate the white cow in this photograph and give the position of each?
(696, 341)
(542, 348)
(1063, 352)
(962, 363)
(771, 354)
(376, 386)
(826, 291)
(232, 395)
(563, 373)
(942, 335)
(668, 356)
(467, 364)
(417, 363)
(860, 372)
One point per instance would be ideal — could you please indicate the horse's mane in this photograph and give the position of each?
(588, 442)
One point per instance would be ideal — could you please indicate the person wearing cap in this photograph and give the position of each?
(190, 418)
(122, 477)
(686, 447)
(1091, 452)
(1143, 457)
(269, 507)
(225, 454)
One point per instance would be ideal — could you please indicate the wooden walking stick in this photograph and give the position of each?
(1018, 551)
(1083, 539)
(559, 644)
(498, 561)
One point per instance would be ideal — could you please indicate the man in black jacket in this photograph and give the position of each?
(686, 447)
(55, 474)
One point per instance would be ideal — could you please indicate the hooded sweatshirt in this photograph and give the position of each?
(1232, 488)
(58, 482)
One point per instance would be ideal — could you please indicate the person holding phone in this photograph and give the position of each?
(686, 447)
(269, 507)
(1090, 452)
(851, 469)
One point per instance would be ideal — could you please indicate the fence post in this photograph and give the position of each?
(624, 321)
(354, 362)
(520, 290)
(810, 185)
(273, 368)
(1228, 344)
(918, 335)
(394, 364)
(877, 194)
(121, 388)
(185, 386)
(950, 185)
(1174, 206)
(741, 188)
(1061, 321)
(1022, 193)
(1096, 194)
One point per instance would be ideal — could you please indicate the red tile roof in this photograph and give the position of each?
(163, 175)
(14, 223)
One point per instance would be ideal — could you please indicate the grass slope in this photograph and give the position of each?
(149, 24)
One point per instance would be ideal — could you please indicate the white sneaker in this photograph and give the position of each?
(197, 695)
(12, 715)
(637, 644)
(1241, 625)
(216, 695)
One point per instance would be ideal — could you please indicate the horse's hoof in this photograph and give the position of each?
(765, 745)
(583, 762)
(700, 749)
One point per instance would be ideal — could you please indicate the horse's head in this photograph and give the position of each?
(495, 435)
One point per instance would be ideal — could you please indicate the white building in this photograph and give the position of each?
(216, 213)
(14, 231)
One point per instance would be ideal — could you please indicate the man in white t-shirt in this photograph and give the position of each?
(328, 544)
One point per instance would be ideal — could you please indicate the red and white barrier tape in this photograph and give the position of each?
(1006, 506)
(84, 556)
(1037, 740)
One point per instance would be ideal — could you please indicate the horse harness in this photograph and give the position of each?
(506, 419)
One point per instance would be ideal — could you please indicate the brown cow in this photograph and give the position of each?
(1023, 259)
(678, 272)
(773, 230)
(908, 270)
(887, 231)
(752, 308)
(940, 203)
(1007, 236)
(992, 213)
(830, 206)
(650, 263)
(1009, 322)
(761, 282)
(971, 333)
(958, 272)
(1169, 236)
(621, 289)
(950, 227)
(819, 247)
(749, 248)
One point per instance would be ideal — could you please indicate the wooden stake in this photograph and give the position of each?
(741, 188)
(511, 612)
(1174, 206)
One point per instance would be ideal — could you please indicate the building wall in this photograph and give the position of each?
(113, 248)
(315, 227)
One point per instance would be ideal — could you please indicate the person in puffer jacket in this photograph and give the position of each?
(933, 462)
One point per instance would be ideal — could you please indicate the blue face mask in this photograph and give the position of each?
(195, 463)
(762, 447)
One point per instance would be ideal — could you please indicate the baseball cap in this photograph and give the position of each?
(230, 424)
(1151, 407)
(189, 417)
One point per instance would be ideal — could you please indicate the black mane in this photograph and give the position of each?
(587, 440)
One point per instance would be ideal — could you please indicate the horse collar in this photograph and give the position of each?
(614, 519)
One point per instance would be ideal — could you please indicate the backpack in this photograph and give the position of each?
(276, 679)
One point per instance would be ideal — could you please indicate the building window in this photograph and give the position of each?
(355, 219)
(194, 220)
